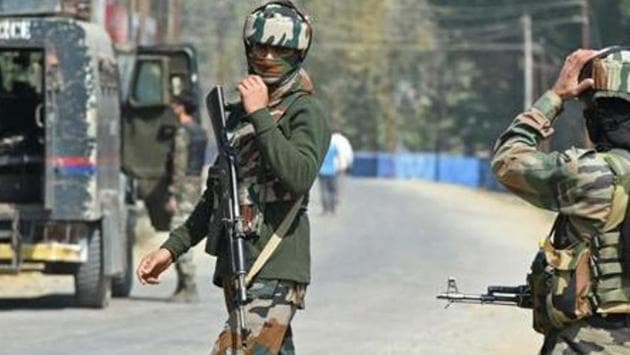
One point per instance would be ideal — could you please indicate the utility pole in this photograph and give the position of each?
(544, 65)
(392, 126)
(173, 28)
(131, 10)
(143, 11)
(442, 112)
(98, 12)
(223, 11)
(528, 60)
(586, 28)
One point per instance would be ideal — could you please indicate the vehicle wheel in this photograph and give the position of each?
(92, 288)
(121, 284)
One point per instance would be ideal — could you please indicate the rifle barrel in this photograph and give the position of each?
(512, 300)
(215, 103)
(519, 296)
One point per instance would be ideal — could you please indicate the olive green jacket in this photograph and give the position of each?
(294, 150)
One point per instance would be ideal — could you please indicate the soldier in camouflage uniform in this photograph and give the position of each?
(281, 134)
(187, 159)
(582, 304)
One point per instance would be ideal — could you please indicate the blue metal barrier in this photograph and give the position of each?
(364, 165)
(416, 166)
(458, 170)
(447, 168)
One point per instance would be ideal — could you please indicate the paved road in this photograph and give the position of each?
(377, 266)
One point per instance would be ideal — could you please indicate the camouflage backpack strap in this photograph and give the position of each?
(610, 268)
(619, 162)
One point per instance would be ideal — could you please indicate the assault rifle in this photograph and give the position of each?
(519, 296)
(215, 103)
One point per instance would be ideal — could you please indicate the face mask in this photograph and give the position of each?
(609, 125)
(272, 70)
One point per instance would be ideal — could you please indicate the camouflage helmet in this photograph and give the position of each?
(280, 24)
(610, 71)
(608, 122)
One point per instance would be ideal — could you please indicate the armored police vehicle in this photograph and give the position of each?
(84, 132)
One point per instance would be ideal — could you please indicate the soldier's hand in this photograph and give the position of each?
(254, 93)
(152, 265)
(171, 205)
(567, 85)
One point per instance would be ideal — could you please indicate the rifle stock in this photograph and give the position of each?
(215, 103)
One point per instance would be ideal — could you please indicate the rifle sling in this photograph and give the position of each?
(273, 242)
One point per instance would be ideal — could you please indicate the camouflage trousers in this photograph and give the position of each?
(268, 319)
(328, 191)
(185, 268)
(589, 337)
(184, 265)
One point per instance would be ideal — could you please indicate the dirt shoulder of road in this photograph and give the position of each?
(508, 208)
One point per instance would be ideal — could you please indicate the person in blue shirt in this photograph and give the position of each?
(328, 175)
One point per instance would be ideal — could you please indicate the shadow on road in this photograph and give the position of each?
(150, 299)
(54, 301)
(59, 301)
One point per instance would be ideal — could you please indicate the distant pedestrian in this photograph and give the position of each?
(346, 158)
(328, 176)
(346, 154)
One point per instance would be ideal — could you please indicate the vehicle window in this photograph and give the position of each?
(20, 71)
(148, 89)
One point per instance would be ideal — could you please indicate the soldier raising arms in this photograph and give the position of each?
(281, 135)
(581, 279)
